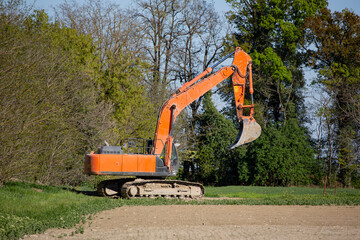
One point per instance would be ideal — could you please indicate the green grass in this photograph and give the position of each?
(263, 192)
(30, 208)
(27, 208)
(285, 195)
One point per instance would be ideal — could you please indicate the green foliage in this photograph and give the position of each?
(282, 156)
(271, 66)
(48, 99)
(122, 85)
(14, 227)
(215, 133)
(266, 22)
(270, 30)
(355, 179)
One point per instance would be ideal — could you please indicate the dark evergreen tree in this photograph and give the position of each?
(282, 156)
(216, 164)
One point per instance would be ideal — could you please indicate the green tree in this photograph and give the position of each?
(270, 31)
(281, 156)
(336, 56)
(122, 86)
(216, 164)
(51, 112)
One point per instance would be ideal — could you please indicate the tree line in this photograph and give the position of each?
(101, 72)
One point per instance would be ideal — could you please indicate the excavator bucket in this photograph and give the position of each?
(249, 131)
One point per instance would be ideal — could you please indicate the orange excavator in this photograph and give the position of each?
(151, 161)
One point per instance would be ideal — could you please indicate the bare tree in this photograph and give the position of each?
(182, 38)
(326, 124)
(201, 44)
(111, 27)
(161, 24)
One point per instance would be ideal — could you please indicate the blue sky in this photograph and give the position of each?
(220, 5)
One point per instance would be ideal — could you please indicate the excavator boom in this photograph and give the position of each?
(190, 91)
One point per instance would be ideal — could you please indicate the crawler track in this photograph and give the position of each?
(144, 188)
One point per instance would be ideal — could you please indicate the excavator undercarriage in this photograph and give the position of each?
(150, 188)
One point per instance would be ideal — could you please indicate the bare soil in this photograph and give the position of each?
(218, 222)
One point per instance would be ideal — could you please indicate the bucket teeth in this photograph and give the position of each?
(249, 131)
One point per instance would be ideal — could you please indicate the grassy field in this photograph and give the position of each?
(285, 195)
(266, 192)
(30, 208)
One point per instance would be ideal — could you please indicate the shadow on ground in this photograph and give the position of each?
(87, 193)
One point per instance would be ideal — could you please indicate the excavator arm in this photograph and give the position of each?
(192, 90)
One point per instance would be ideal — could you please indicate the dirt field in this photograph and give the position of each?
(219, 222)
